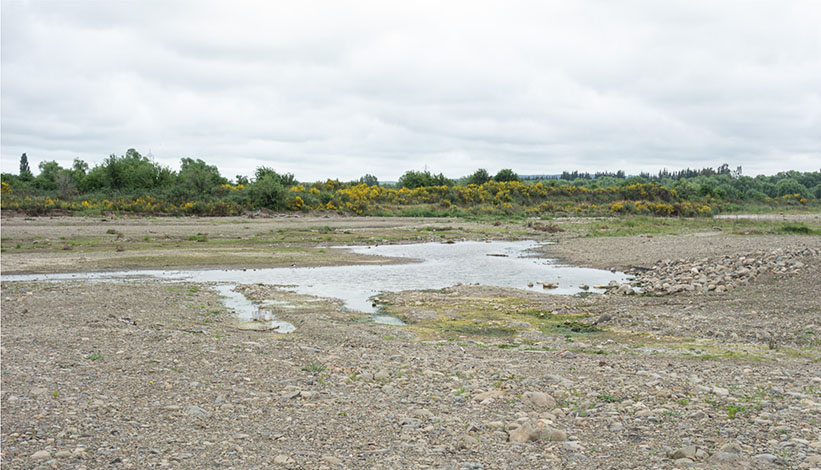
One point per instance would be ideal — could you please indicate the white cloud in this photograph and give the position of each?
(329, 89)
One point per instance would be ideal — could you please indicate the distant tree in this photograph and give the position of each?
(79, 169)
(199, 177)
(47, 179)
(441, 180)
(243, 180)
(268, 191)
(479, 177)
(724, 169)
(263, 171)
(66, 185)
(129, 172)
(417, 179)
(790, 186)
(288, 179)
(506, 175)
(369, 180)
(25, 171)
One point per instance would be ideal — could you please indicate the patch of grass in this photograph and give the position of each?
(95, 356)
(478, 329)
(798, 229)
(733, 410)
(314, 367)
(578, 327)
(607, 398)
(601, 352)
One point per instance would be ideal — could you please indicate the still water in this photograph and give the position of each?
(429, 266)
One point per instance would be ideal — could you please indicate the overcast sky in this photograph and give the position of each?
(339, 89)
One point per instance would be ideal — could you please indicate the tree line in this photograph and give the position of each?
(134, 175)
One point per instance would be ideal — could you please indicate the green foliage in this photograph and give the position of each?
(418, 179)
(198, 177)
(790, 186)
(48, 175)
(95, 356)
(369, 180)
(66, 185)
(479, 177)
(314, 367)
(798, 229)
(25, 171)
(607, 398)
(130, 172)
(268, 191)
(733, 410)
(134, 183)
(506, 175)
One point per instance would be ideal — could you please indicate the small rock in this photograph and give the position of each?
(283, 459)
(556, 435)
(489, 394)
(465, 441)
(63, 454)
(41, 455)
(770, 458)
(197, 412)
(723, 457)
(722, 392)
(525, 432)
(572, 446)
(538, 400)
(289, 395)
(688, 452)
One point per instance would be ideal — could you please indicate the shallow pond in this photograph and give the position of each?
(430, 266)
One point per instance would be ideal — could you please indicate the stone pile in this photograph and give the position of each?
(719, 274)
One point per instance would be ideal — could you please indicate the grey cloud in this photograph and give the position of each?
(326, 89)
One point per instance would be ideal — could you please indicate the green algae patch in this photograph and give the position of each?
(467, 313)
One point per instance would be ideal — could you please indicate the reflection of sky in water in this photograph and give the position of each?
(436, 265)
(247, 311)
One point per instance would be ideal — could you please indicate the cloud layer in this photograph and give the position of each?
(334, 90)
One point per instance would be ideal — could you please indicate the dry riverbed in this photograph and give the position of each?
(146, 374)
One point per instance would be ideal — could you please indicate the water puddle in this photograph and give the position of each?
(251, 316)
(430, 266)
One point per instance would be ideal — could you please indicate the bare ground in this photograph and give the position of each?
(146, 374)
